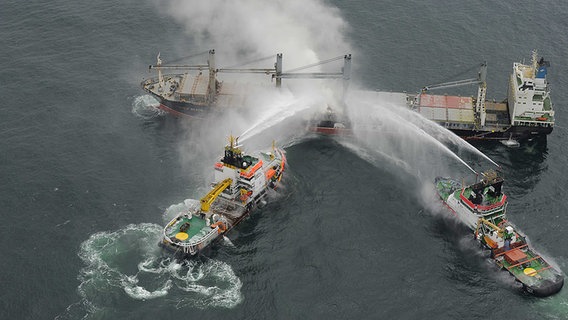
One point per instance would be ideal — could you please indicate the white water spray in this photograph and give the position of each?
(378, 111)
(274, 116)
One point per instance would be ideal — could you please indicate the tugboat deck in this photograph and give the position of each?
(525, 264)
(196, 225)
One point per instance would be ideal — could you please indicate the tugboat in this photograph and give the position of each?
(482, 207)
(241, 183)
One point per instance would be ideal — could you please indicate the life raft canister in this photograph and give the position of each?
(221, 225)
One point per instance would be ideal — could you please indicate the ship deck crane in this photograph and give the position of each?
(275, 72)
(210, 197)
(481, 91)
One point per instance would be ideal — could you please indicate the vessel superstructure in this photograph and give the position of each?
(482, 207)
(241, 182)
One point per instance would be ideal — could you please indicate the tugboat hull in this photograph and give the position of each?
(546, 288)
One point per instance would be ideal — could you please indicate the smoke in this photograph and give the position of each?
(304, 31)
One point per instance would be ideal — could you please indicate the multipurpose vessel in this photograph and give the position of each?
(241, 182)
(527, 111)
(482, 207)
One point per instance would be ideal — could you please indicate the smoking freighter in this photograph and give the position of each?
(200, 93)
(482, 207)
(241, 182)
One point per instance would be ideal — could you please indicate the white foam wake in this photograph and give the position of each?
(146, 107)
(128, 264)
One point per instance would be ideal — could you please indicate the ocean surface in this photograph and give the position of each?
(91, 171)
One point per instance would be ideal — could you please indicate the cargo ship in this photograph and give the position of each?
(194, 91)
(241, 182)
(526, 113)
(482, 207)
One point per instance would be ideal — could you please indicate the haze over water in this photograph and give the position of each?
(353, 233)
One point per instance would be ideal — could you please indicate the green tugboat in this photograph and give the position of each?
(241, 182)
(482, 207)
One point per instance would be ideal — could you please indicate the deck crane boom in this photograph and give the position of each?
(481, 91)
(210, 197)
(275, 72)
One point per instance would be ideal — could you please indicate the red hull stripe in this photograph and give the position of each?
(482, 208)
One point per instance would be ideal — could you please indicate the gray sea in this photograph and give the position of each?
(91, 171)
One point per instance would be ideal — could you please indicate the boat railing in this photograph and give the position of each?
(206, 238)
(523, 262)
(519, 247)
(195, 241)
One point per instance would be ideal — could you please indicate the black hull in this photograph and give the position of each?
(547, 288)
(515, 133)
(182, 108)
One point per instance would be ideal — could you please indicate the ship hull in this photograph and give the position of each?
(547, 288)
(183, 109)
(515, 133)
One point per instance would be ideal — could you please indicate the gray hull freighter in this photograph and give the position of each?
(241, 182)
(482, 207)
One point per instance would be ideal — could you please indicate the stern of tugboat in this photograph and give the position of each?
(188, 234)
(546, 287)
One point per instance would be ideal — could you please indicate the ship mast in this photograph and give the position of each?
(481, 91)
(160, 76)
(212, 73)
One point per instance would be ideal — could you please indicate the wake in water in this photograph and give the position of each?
(127, 265)
(146, 107)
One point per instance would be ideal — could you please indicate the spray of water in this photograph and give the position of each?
(294, 27)
(382, 127)
(146, 107)
(396, 103)
(278, 111)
